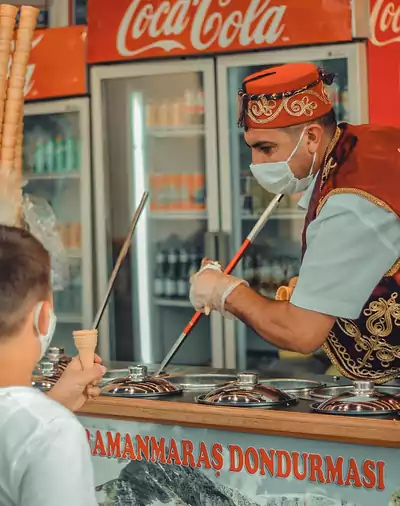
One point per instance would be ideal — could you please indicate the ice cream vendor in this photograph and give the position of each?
(347, 295)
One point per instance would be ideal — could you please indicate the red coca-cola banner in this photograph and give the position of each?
(132, 29)
(57, 64)
(384, 62)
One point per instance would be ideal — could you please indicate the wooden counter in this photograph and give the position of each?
(356, 430)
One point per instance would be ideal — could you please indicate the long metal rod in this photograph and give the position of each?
(232, 264)
(120, 259)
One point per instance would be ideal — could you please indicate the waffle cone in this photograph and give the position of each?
(8, 11)
(17, 70)
(28, 17)
(21, 57)
(85, 343)
(7, 154)
(7, 164)
(24, 40)
(9, 139)
(11, 117)
(7, 29)
(292, 282)
(5, 45)
(15, 93)
(8, 14)
(284, 293)
(18, 83)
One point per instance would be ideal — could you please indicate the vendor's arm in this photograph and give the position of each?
(351, 245)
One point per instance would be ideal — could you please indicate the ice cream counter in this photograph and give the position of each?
(206, 437)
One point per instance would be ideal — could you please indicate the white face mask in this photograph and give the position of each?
(45, 339)
(276, 177)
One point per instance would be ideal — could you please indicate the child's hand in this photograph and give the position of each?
(75, 387)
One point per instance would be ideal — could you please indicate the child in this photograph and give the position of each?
(45, 458)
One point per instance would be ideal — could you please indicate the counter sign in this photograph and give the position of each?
(312, 467)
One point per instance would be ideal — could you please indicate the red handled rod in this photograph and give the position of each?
(230, 267)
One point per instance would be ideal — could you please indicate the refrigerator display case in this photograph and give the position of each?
(275, 256)
(154, 127)
(57, 168)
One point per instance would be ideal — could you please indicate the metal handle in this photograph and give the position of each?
(210, 245)
(121, 256)
(223, 248)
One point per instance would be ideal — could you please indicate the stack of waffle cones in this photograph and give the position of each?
(15, 48)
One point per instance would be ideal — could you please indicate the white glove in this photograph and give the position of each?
(210, 288)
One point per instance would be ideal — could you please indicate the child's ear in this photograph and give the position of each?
(44, 317)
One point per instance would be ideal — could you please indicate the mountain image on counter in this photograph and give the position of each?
(143, 483)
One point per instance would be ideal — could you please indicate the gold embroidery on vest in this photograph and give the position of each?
(370, 347)
(329, 164)
(382, 314)
(355, 191)
(392, 271)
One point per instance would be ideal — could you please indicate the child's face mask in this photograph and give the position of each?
(45, 339)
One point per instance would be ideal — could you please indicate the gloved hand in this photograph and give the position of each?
(210, 288)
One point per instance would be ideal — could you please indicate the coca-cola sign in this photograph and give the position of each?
(57, 63)
(384, 62)
(131, 29)
(385, 22)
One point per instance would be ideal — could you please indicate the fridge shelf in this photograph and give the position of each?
(69, 318)
(74, 253)
(282, 215)
(178, 215)
(52, 175)
(173, 303)
(186, 131)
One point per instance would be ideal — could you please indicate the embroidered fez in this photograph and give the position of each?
(283, 96)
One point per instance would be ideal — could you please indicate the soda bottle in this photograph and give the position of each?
(171, 278)
(183, 280)
(159, 275)
(59, 164)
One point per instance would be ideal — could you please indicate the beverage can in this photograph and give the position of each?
(199, 194)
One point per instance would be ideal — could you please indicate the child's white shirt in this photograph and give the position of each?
(44, 453)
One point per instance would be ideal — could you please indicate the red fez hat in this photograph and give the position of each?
(283, 96)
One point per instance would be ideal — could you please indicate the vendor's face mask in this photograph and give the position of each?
(277, 177)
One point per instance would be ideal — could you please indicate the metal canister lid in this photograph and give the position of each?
(139, 384)
(361, 399)
(246, 391)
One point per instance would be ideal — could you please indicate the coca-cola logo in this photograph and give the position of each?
(385, 22)
(208, 25)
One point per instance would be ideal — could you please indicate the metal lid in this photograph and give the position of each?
(57, 354)
(47, 378)
(139, 384)
(202, 382)
(246, 391)
(293, 386)
(56, 350)
(327, 392)
(361, 399)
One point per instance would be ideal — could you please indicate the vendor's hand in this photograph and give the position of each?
(75, 387)
(210, 288)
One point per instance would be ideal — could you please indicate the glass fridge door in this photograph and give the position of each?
(275, 256)
(57, 168)
(157, 132)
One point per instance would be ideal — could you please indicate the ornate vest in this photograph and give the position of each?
(365, 160)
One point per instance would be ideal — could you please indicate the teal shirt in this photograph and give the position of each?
(350, 246)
